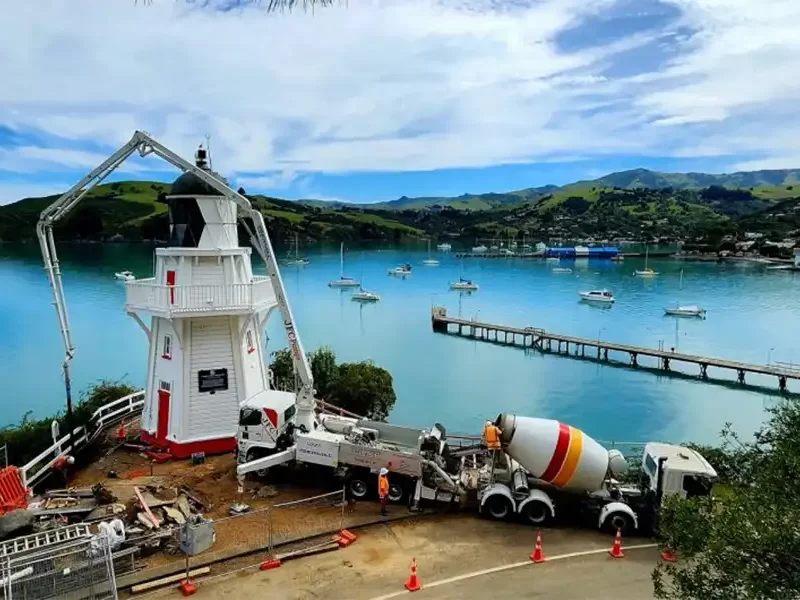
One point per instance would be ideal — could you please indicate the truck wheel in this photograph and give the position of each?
(621, 521)
(396, 492)
(536, 513)
(497, 507)
(358, 488)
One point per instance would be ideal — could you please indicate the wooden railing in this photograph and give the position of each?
(108, 414)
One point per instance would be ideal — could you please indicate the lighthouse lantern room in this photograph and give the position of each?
(207, 313)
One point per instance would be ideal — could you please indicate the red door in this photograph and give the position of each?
(171, 284)
(163, 416)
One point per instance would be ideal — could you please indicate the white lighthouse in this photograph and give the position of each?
(207, 313)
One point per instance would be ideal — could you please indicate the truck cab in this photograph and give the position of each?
(683, 471)
(262, 421)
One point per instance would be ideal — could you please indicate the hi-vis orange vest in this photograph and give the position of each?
(491, 436)
(383, 486)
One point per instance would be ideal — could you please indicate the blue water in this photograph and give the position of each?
(753, 316)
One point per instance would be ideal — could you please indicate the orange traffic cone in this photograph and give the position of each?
(616, 549)
(537, 555)
(121, 434)
(669, 555)
(413, 584)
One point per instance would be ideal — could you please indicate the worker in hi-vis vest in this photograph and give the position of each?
(491, 436)
(383, 489)
(61, 466)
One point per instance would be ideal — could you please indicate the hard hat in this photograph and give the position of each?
(384, 471)
(71, 460)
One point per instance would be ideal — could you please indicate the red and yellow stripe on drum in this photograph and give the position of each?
(566, 456)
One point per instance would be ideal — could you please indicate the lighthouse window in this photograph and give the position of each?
(167, 350)
(250, 347)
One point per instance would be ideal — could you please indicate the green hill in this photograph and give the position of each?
(134, 211)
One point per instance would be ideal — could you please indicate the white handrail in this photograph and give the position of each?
(100, 419)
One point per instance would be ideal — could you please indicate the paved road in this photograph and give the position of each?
(597, 577)
(445, 548)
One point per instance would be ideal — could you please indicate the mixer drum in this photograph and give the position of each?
(554, 452)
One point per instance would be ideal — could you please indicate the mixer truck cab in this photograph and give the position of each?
(264, 421)
(668, 470)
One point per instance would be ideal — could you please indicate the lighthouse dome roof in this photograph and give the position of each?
(189, 184)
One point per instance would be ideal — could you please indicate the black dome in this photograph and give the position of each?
(190, 184)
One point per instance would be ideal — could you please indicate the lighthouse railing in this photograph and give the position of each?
(146, 294)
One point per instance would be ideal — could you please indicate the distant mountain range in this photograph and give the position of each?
(632, 179)
(636, 204)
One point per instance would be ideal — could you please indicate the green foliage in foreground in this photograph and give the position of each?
(32, 436)
(362, 387)
(748, 546)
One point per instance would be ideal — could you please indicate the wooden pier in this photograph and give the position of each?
(545, 341)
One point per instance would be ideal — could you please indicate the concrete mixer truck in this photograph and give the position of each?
(549, 469)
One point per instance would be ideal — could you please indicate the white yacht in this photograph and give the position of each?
(603, 296)
(401, 270)
(430, 261)
(125, 276)
(297, 260)
(562, 270)
(464, 285)
(686, 311)
(480, 248)
(363, 295)
(343, 282)
(445, 247)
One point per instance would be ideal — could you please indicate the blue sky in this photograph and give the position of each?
(371, 100)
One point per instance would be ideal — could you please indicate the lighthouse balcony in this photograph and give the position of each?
(199, 300)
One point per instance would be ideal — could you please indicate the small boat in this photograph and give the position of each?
(562, 270)
(297, 260)
(125, 276)
(686, 311)
(597, 296)
(445, 247)
(464, 285)
(401, 270)
(343, 282)
(480, 248)
(647, 271)
(363, 295)
(430, 261)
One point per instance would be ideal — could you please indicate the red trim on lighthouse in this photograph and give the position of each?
(171, 284)
(209, 447)
(163, 416)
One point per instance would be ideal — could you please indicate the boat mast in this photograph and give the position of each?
(341, 261)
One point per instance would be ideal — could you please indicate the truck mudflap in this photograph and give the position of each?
(537, 509)
(618, 516)
(497, 502)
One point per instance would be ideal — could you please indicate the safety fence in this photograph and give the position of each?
(82, 569)
(257, 533)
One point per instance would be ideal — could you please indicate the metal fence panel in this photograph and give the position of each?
(80, 570)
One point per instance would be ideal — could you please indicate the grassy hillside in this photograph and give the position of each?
(637, 204)
(133, 210)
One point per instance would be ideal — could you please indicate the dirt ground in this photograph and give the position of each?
(214, 482)
(446, 547)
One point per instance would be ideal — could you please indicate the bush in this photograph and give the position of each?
(32, 436)
(362, 388)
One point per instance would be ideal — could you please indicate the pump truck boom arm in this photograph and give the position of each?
(144, 144)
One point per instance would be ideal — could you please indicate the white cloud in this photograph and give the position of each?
(21, 159)
(777, 162)
(393, 84)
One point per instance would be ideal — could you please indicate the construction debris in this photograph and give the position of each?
(174, 515)
(239, 508)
